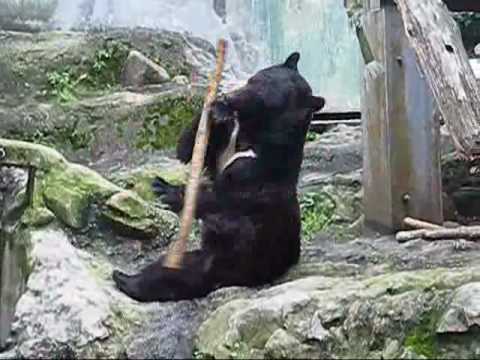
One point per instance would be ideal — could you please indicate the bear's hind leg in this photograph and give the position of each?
(158, 283)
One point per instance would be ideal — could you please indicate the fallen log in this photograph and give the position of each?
(427, 231)
(462, 232)
(420, 224)
(404, 236)
(437, 42)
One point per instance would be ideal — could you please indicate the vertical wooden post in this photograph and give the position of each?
(402, 173)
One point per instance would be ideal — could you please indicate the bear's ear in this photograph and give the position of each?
(316, 103)
(292, 61)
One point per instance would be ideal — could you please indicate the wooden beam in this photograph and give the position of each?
(437, 42)
(348, 115)
(401, 174)
(463, 5)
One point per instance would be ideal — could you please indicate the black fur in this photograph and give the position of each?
(250, 214)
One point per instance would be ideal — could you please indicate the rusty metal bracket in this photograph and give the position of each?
(31, 170)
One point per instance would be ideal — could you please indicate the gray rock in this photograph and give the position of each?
(181, 80)
(138, 70)
(463, 312)
(68, 309)
(370, 309)
(169, 334)
(336, 152)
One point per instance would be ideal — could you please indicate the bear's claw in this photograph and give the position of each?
(126, 284)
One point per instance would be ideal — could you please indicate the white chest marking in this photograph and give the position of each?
(239, 155)
(229, 155)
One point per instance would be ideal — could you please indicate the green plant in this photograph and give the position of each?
(103, 72)
(107, 65)
(62, 85)
(422, 339)
(312, 136)
(317, 211)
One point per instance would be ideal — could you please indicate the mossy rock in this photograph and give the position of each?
(89, 129)
(69, 190)
(140, 180)
(69, 66)
(69, 205)
(164, 121)
(37, 217)
(340, 316)
(131, 216)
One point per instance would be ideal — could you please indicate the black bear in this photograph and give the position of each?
(249, 211)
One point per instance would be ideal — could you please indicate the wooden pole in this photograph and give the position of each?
(175, 255)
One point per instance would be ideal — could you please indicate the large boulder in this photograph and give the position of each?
(375, 299)
(139, 70)
(69, 308)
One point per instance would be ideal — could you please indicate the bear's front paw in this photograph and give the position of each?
(170, 195)
(128, 284)
(221, 113)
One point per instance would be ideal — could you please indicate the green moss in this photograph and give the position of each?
(37, 217)
(129, 215)
(317, 210)
(163, 122)
(422, 339)
(69, 204)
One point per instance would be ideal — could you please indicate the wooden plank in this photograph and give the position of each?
(322, 125)
(425, 181)
(401, 157)
(437, 42)
(376, 165)
(348, 115)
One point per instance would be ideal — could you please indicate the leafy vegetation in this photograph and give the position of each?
(62, 85)
(312, 136)
(317, 211)
(422, 339)
(107, 65)
(103, 73)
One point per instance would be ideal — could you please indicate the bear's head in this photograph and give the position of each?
(273, 109)
(272, 91)
(277, 102)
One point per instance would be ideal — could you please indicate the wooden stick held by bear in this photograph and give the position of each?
(175, 254)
